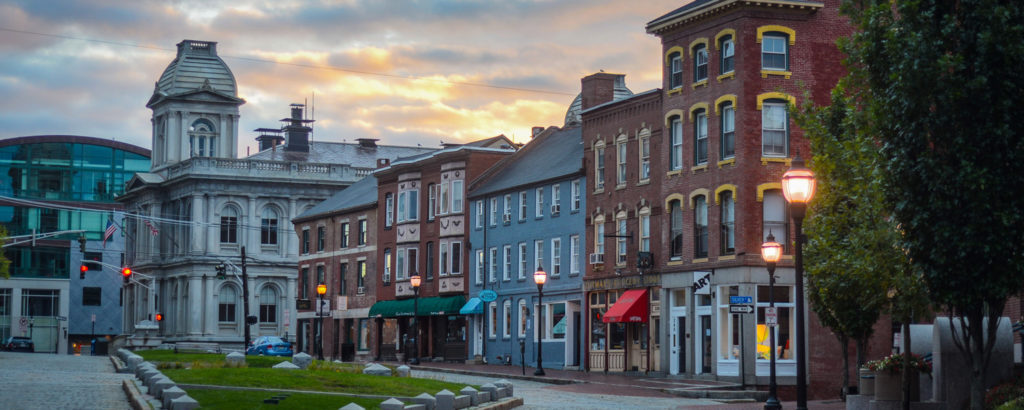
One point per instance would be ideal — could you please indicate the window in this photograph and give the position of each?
(574, 254)
(430, 260)
(344, 234)
(576, 199)
(362, 232)
(599, 237)
(728, 223)
(268, 227)
(645, 157)
(774, 129)
(599, 168)
(389, 210)
(343, 278)
(444, 259)
(400, 264)
(387, 265)
(774, 52)
(522, 260)
(457, 196)
(728, 326)
(92, 296)
(700, 226)
(554, 323)
(479, 266)
(507, 325)
(522, 205)
(775, 217)
(364, 335)
(728, 128)
(304, 284)
(268, 305)
(700, 138)
(676, 153)
(506, 257)
(227, 300)
(556, 256)
(675, 70)
(700, 62)
(620, 240)
(456, 258)
(538, 255)
(645, 231)
(321, 234)
(229, 226)
(431, 201)
(507, 213)
(408, 205)
(676, 226)
(202, 133)
(492, 326)
(445, 201)
(493, 212)
(492, 271)
(540, 202)
(320, 278)
(305, 241)
(556, 196)
(783, 298)
(728, 52)
(524, 315)
(412, 262)
(361, 275)
(479, 214)
(621, 161)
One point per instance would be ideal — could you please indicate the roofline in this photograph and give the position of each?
(79, 139)
(334, 212)
(443, 151)
(664, 23)
(624, 100)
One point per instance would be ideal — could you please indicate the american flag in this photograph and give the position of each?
(111, 228)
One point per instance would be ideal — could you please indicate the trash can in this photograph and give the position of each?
(99, 347)
(348, 352)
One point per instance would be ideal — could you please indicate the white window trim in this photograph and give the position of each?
(540, 202)
(574, 254)
(479, 266)
(506, 259)
(479, 214)
(556, 257)
(523, 257)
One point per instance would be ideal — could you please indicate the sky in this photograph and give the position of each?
(404, 72)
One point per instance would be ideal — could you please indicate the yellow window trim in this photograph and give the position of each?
(726, 76)
(784, 160)
(727, 257)
(702, 167)
(699, 260)
(774, 95)
(695, 107)
(673, 113)
(673, 173)
(767, 186)
(728, 97)
(723, 188)
(698, 192)
(766, 73)
(677, 197)
(782, 29)
(724, 162)
(694, 43)
(723, 33)
(701, 83)
(674, 263)
(677, 90)
(672, 50)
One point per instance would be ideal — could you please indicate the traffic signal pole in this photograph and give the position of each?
(245, 297)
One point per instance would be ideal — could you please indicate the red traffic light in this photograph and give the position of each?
(159, 317)
(84, 268)
(126, 272)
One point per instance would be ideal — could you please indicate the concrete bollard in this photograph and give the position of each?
(473, 394)
(392, 404)
(403, 371)
(428, 401)
(184, 403)
(302, 360)
(235, 358)
(170, 394)
(462, 401)
(445, 400)
(159, 386)
(352, 406)
(491, 390)
(506, 384)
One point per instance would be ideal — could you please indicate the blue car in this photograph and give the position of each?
(269, 346)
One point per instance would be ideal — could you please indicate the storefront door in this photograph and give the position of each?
(705, 344)
(677, 363)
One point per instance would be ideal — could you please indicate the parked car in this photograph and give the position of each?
(19, 344)
(269, 346)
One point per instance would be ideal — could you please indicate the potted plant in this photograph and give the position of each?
(889, 372)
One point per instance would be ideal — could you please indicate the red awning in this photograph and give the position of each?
(631, 307)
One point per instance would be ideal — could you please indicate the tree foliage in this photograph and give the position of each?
(5, 264)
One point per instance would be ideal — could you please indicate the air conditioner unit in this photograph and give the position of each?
(555, 209)
(596, 258)
(506, 218)
(361, 290)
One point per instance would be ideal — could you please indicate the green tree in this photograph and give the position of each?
(5, 264)
(944, 84)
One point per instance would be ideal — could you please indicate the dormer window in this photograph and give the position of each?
(202, 138)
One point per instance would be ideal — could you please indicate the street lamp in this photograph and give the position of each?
(539, 277)
(771, 251)
(320, 290)
(415, 281)
(798, 187)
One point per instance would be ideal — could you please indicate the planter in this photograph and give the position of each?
(866, 386)
(889, 386)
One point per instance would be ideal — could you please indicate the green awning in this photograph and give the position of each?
(430, 306)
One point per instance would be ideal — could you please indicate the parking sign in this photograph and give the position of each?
(771, 316)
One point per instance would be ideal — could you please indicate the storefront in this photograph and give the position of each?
(624, 324)
(441, 329)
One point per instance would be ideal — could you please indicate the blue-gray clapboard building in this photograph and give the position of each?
(528, 213)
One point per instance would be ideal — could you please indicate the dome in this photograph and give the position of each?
(196, 67)
(572, 115)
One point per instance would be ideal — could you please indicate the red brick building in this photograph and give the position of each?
(423, 214)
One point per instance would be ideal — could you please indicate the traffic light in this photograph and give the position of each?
(159, 317)
(221, 271)
(126, 273)
(81, 243)
(81, 274)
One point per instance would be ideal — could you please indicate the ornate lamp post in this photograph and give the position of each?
(539, 277)
(320, 290)
(415, 281)
(798, 187)
(771, 251)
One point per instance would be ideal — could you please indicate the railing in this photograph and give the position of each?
(265, 168)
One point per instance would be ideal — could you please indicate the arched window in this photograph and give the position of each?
(202, 138)
(268, 304)
(268, 226)
(227, 301)
(229, 225)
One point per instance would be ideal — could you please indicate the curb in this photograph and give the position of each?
(504, 404)
(135, 397)
(731, 395)
(548, 380)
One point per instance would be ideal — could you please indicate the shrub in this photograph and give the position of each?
(894, 363)
(1006, 396)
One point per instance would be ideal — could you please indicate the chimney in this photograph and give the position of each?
(599, 88)
(536, 130)
(367, 142)
(383, 163)
(296, 131)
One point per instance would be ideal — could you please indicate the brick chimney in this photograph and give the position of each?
(599, 88)
(297, 131)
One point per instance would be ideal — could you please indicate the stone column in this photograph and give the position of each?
(195, 303)
(198, 227)
(289, 249)
(184, 148)
(251, 237)
(212, 226)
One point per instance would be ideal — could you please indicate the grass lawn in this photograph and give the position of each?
(334, 380)
(168, 356)
(231, 399)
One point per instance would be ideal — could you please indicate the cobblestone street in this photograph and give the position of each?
(47, 381)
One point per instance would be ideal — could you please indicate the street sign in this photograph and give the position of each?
(488, 295)
(771, 316)
(741, 300)
(23, 324)
(741, 309)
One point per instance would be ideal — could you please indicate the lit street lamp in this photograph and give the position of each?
(320, 290)
(771, 251)
(415, 281)
(540, 277)
(798, 187)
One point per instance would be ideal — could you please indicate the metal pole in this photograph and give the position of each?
(801, 351)
(245, 306)
(415, 326)
(773, 397)
(540, 331)
(320, 327)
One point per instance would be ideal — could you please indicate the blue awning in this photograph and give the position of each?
(475, 306)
